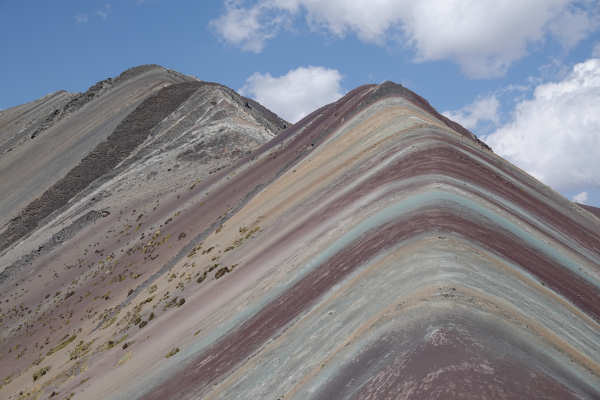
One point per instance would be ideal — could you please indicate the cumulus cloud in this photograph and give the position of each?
(297, 93)
(581, 198)
(555, 134)
(484, 109)
(249, 28)
(484, 37)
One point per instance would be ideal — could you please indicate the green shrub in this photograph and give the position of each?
(172, 352)
(43, 371)
(66, 341)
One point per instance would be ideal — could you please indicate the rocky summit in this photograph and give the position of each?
(167, 238)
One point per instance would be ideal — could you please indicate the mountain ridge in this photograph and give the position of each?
(72, 183)
(374, 249)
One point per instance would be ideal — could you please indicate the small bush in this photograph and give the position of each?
(172, 352)
(43, 371)
(66, 341)
(81, 349)
(201, 278)
(221, 272)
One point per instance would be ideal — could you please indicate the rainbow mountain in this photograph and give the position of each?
(210, 250)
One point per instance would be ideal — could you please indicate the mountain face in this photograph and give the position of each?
(373, 250)
(145, 137)
(181, 131)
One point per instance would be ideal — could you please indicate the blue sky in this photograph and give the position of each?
(522, 74)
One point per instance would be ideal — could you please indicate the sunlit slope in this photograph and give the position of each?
(372, 250)
(77, 257)
(48, 137)
(392, 256)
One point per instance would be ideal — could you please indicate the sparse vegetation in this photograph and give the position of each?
(81, 349)
(112, 343)
(175, 302)
(194, 250)
(221, 272)
(245, 234)
(66, 341)
(40, 372)
(7, 379)
(172, 352)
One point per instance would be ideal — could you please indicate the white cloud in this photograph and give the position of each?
(484, 109)
(248, 28)
(573, 25)
(104, 12)
(484, 37)
(581, 198)
(81, 18)
(555, 135)
(297, 93)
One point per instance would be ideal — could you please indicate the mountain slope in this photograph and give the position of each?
(42, 152)
(375, 249)
(235, 125)
(394, 256)
(179, 134)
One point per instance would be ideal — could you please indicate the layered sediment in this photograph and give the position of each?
(375, 249)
